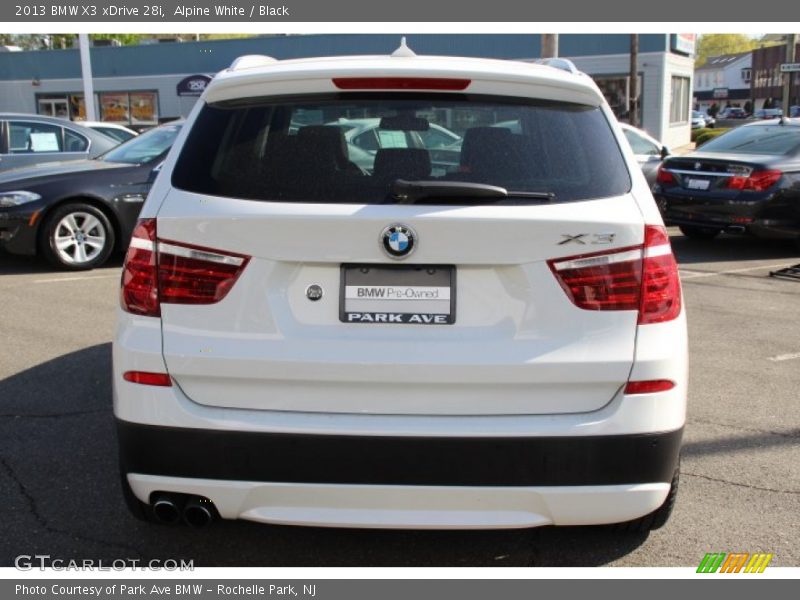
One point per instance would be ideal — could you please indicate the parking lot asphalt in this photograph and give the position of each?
(740, 485)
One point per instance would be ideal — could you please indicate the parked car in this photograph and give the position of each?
(744, 181)
(732, 112)
(794, 111)
(701, 120)
(76, 213)
(648, 150)
(32, 139)
(767, 113)
(113, 130)
(365, 137)
(299, 342)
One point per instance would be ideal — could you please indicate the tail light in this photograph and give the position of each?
(148, 378)
(661, 287)
(758, 181)
(642, 278)
(163, 271)
(649, 386)
(139, 293)
(664, 176)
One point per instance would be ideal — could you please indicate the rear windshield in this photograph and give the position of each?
(355, 149)
(759, 139)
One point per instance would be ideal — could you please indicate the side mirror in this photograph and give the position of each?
(664, 152)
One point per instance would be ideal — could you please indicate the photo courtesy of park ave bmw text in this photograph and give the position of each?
(329, 285)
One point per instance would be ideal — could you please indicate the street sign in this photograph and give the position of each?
(790, 67)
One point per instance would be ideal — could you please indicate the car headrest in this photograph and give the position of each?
(402, 163)
(323, 144)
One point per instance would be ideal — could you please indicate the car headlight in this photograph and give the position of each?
(17, 197)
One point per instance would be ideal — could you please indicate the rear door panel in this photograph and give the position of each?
(518, 345)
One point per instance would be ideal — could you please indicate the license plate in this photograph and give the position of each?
(697, 184)
(398, 294)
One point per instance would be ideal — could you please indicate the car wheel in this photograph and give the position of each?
(659, 517)
(699, 233)
(77, 236)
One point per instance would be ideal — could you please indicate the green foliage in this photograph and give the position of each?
(126, 39)
(715, 44)
(708, 134)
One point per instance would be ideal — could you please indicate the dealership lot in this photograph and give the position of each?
(740, 488)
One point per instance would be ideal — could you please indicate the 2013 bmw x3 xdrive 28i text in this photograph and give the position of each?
(487, 339)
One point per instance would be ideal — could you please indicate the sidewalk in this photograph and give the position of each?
(681, 150)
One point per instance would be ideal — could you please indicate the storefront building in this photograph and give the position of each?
(140, 86)
(767, 82)
(725, 81)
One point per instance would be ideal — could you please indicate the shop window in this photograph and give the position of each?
(130, 108)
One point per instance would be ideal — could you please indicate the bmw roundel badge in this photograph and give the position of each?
(398, 241)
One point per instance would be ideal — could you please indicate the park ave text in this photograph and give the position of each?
(178, 589)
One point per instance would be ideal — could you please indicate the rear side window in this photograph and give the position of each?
(74, 142)
(760, 139)
(355, 148)
(29, 137)
(641, 145)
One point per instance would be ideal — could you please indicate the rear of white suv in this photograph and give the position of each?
(488, 334)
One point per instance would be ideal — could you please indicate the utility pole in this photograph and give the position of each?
(86, 73)
(549, 45)
(791, 42)
(633, 86)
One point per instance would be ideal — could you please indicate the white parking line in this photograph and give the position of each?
(782, 357)
(697, 274)
(83, 278)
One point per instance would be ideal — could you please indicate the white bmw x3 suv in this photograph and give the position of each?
(488, 334)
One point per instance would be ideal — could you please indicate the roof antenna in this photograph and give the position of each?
(403, 50)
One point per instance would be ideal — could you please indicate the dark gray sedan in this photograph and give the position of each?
(27, 140)
(77, 213)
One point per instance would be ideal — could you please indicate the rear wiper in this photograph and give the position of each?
(409, 192)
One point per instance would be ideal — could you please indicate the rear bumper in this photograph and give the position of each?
(418, 507)
(399, 461)
(764, 215)
(404, 482)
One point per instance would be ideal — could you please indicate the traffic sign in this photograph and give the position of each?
(790, 67)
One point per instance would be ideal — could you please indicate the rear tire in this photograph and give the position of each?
(77, 236)
(656, 519)
(699, 233)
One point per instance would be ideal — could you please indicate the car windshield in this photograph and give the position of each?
(145, 147)
(354, 149)
(763, 139)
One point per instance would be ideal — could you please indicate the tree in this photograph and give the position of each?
(716, 44)
(126, 39)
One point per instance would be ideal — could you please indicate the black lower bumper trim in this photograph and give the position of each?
(348, 459)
